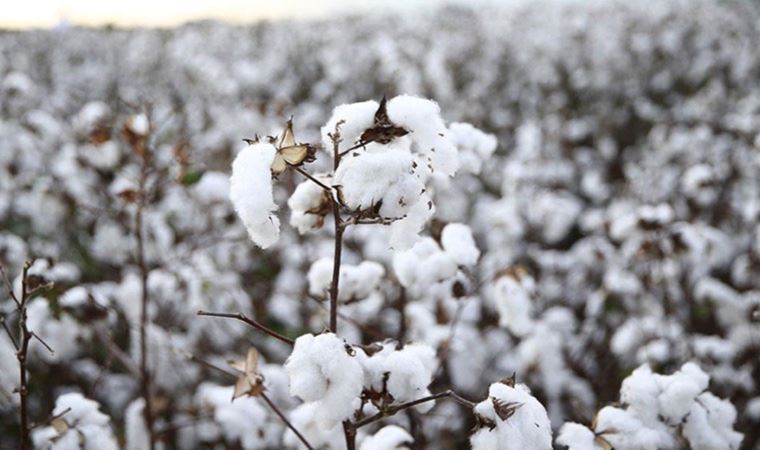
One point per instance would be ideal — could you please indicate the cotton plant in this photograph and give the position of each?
(659, 411)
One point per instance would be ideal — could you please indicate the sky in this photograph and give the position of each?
(20, 14)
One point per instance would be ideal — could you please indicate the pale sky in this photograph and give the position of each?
(48, 13)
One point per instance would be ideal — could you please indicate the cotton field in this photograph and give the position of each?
(527, 226)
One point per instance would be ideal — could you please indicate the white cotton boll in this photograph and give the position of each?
(405, 233)
(136, 432)
(213, 187)
(62, 334)
(576, 437)
(356, 118)
(626, 432)
(321, 370)
(305, 419)
(251, 193)
(102, 156)
(308, 205)
(386, 176)
(390, 437)
(244, 420)
(76, 296)
(411, 370)
(679, 390)
(89, 429)
(554, 214)
(528, 426)
(8, 372)
(423, 266)
(355, 282)
(458, 242)
(512, 297)
(639, 391)
(320, 277)
(427, 132)
(474, 146)
(709, 425)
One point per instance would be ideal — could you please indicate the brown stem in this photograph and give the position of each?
(24, 337)
(394, 409)
(312, 178)
(243, 318)
(339, 228)
(145, 380)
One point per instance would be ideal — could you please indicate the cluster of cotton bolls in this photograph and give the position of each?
(613, 229)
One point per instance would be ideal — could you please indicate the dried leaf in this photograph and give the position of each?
(60, 425)
(505, 410)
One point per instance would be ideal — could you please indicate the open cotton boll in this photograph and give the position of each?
(576, 437)
(512, 420)
(356, 118)
(411, 371)
(458, 242)
(355, 283)
(137, 437)
(511, 295)
(62, 333)
(213, 187)
(679, 390)
(243, 420)
(390, 437)
(427, 132)
(424, 265)
(710, 424)
(320, 369)
(309, 204)
(474, 146)
(386, 177)
(251, 193)
(626, 432)
(304, 419)
(87, 427)
(405, 233)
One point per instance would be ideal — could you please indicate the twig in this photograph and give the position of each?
(394, 409)
(50, 420)
(45, 344)
(243, 318)
(312, 178)
(144, 299)
(339, 228)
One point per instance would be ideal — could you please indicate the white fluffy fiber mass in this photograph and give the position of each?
(321, 370)
(304, 201)
(390, 437)
(355, 283)
(527, 428)
(251, 193)
(88, 428)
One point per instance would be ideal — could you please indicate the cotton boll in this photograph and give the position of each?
(520, 421)
(74, 297)
(576, 437)
(213, 187)
(411, 370)
(710, 423)
(390, 437)
(251, 193)
(679, 390)
(309, 204)
(237, 418)
(137, 437)
(355, 282)
(385, 177)
(305, 418)
(404, 233)
(321, 370)
(428, 134)
(512, 296)
(474, 146)
(8, 372)
(87, 427)
(457, 241)
(62, 333)
(356, 118)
